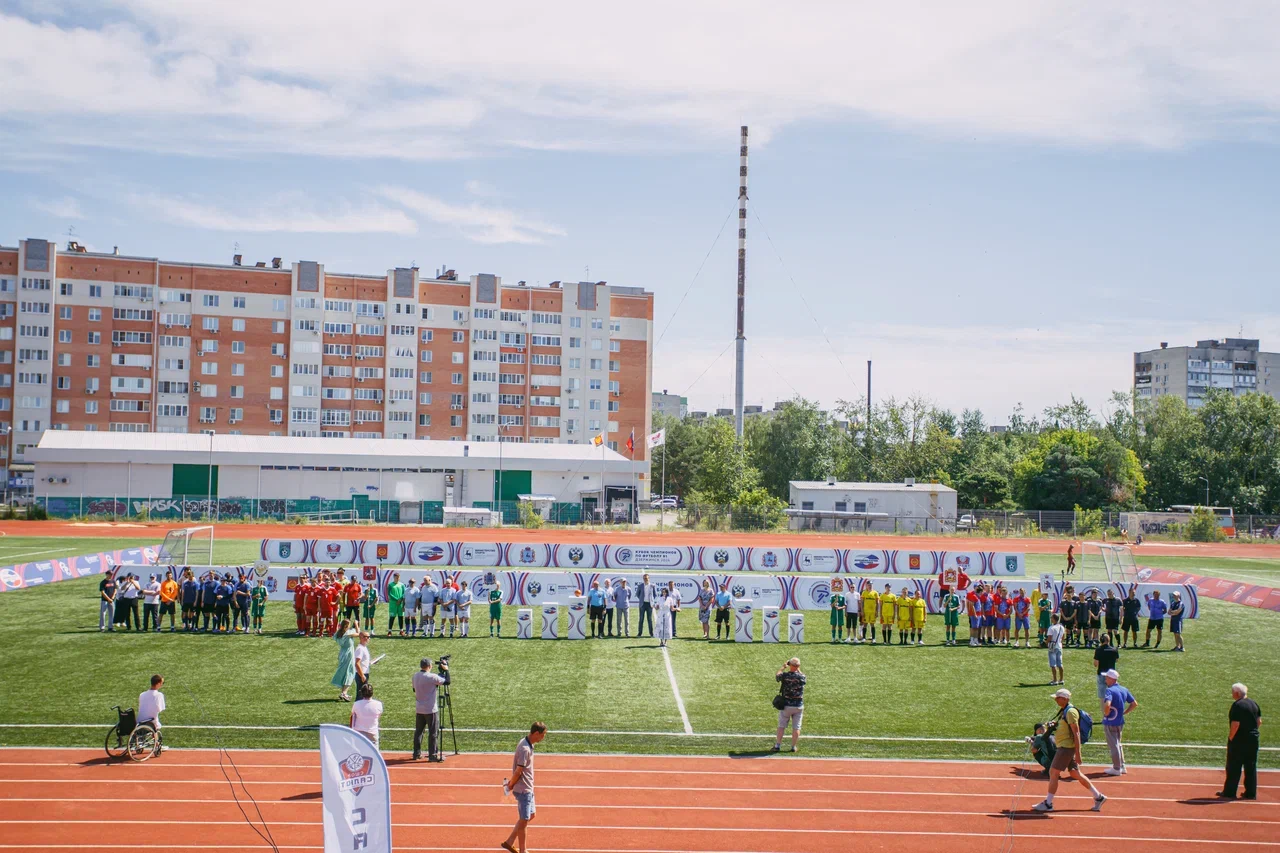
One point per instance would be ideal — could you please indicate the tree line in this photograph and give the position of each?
(1139, 454)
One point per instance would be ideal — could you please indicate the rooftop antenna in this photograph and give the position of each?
(740, 341)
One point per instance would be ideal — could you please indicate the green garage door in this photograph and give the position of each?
(514, 484)
(193, 480)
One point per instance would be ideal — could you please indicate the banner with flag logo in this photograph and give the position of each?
(657, 439)
(598, 440)
(357, 793)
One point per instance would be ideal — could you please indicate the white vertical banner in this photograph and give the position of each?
(357, 793)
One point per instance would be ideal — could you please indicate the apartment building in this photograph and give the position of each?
(1234, 364)
(670, 405)
(108, 342)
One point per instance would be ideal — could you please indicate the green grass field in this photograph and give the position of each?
(612, 695)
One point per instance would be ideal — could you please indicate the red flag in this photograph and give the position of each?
(631, 442)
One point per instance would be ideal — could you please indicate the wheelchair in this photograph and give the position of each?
(128, 738)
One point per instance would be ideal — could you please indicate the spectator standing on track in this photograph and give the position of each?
(609, 604)
(1156, 608)
(426, 707)
(950, 616)
(1176, 611)
(1245, 720)
(521, 785)
(595, 610)
(706, 597)
(1105, 658)
(1132, 608)
(168, 595)
(395, 604)
(791, 683)
(1053, 637)
(647, 596)
(867, 615)
(1116, 703)
(365, 713)
(1112, 609)
(412, 607)
(259, 605)
(363, 660)
(1067, 757)
(622, 607)
(724, 604)
(346, 637)
(107, 603)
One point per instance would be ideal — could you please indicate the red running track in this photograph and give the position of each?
(138, 530)
(75, 800)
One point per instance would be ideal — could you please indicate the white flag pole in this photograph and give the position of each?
(662, 502)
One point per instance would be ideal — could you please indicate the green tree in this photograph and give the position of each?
(725, 471)
(1067, 467)
(982, 488)
(798, 442)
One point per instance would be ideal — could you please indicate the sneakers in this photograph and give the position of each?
(1179, 649)
(795, 749)
(777, 747)
(1098, 801)
(1043, 806)
(1111, 771)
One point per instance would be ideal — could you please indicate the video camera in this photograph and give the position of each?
(443, 663)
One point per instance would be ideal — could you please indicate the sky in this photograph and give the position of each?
(995, 202)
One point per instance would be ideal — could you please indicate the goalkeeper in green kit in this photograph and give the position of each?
(837, 616)
(395, 603)
(495, 610)
(369, 605)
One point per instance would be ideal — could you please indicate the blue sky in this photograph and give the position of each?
(997, 204)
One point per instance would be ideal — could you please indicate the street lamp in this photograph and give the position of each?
(208, 497)
(1206, 490)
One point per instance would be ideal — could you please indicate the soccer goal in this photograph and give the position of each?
(1101, 560)
(188, 546)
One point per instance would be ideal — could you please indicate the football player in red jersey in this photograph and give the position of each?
(974, 608)
(351, 595)
(314, 605)
(333, 600)
(301, 592)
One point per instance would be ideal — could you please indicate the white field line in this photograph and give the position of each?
(597, 733)
(675, 689)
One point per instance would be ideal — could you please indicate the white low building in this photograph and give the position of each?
(159, 468)
(908, 506)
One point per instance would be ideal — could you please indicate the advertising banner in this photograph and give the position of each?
(575, 556)
(677, 558)
(769, 624)
(336, 551)
(23, 575)
(769, 559)
(744, 621)
(356, 791)
(818, 560)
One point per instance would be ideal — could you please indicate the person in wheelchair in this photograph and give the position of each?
(150, 704)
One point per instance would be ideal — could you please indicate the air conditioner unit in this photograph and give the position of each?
(359, 378)
(168, 325)
(63, 480)
(360, 358)
(91, 391)
(196, 385)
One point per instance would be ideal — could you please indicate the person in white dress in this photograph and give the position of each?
(662, 610)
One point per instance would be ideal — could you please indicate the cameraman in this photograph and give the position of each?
(791, 683)
(426, 685)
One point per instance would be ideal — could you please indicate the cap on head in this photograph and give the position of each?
(1064, 693)
(1111, 673)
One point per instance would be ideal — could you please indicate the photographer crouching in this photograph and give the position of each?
(426, 686)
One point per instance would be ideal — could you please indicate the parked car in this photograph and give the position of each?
(664, 502)
(966, 522)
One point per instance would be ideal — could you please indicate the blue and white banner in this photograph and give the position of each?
(24, 575)
(357, 793)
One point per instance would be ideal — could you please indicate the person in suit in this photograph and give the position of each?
(646, 594)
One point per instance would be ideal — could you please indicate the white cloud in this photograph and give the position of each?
(286, 213)
(419, 80)
(61, 208)
(478, 223)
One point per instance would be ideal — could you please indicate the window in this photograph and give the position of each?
(306, 370)
(428, 335)
(277, 415)
(237, 347)
(456, 379)
(370, 330)
(593, 384)
(343, 350)
(575, 343)
(511, 357)
(459, 337)
(481, 418)
(130, 337)
(64, 359)
(458, 357)
(483, 355)
(369, 394)
(337, 328)
(208, 346)
(615, 346)
(597, 323)
(237, 370)
(172, 410)
(575, 364)
(549, 360)
(615, 325)
(130, 405)
(424, 420)
(596, 343)
(277, 327)
(209, 368)
(426, 377)
(138, 290)
(237, 325)
(176, 320)
(238, 302)
(425, 356)
(306, 325)
(484, 376)
(35, 307)
(403, 330)
(35, 284)
(426, 313)
(64, 383)
(277, 370)
(512, 317)
(131, 384)
(424, 399)
(546, 319)
(400, 416)
(456, 401)
(613, 366)
(96, 338)
(548, 340)
(336, 393)
(368, 372)
(484, 334)
(91, 385)
(210, 300)
(484, 397)
(614, 387)
(276, 393)
(341, 306)
(91, 407)
(455, 420)
(400, 372)
(169, 387)
(511, 378)
(597, 364)
(304, 302)
(306, 391)
(209, 324)
(370, 309)
(277, 305)
(95, 315)
(593, 405)
(95, 290)
(575, 322)
(64, 312)
(613, 405)
(237, 392)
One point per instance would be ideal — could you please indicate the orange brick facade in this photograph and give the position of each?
(111, 343)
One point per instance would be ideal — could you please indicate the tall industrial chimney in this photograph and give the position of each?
(740, 342)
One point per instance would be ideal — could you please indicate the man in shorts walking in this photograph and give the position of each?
(1067, 758)
(791, 686)
(521, 785)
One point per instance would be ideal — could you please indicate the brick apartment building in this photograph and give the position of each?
(112, 343)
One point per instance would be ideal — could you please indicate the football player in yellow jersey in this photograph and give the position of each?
(870, 603)
(904, 615)
(918, 612)
(888, 612)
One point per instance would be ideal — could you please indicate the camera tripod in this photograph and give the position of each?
(446, 702)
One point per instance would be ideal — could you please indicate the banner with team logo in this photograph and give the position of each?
(430, 553)
(23, 575)
(648, 557)
(528, 555)
(339, 551)
(818, 560)
(356, 790)
(575, 556)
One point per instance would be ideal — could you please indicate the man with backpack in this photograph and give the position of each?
(1072, 729)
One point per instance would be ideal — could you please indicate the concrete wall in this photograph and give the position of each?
(898, 502)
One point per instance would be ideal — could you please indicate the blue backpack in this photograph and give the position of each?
(1085, 724)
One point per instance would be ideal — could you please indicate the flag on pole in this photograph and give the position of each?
(631, 442)
(356, 790)
(657, 439)
(598, 440)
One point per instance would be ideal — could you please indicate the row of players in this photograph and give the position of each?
(318, 605)
(994, 613)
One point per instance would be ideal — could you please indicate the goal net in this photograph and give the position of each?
(187, 546)
(1103, 561)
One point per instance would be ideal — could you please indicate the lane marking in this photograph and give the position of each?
(623, 733)
(675, 689)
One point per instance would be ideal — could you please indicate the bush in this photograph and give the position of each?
(1203, 526)
(757, 509)
(986, 527)
(36, 512)
(1088, 522)
(529, 517)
